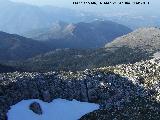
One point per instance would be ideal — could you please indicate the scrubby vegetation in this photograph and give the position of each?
(71, 59)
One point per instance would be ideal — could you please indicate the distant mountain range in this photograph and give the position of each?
(59, 46)
(81, 35)
(19, 17)
(134, 21)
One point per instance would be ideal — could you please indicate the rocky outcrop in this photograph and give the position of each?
(145, 74)
(107, 89)
(100, 86)
(36, 108)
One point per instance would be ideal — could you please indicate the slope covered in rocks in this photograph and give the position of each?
(147, 39)
(145, 74)
(128, 91)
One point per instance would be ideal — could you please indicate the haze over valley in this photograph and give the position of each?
(85, 62)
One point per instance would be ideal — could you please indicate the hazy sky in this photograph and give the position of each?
(147, 9)
(47, 2)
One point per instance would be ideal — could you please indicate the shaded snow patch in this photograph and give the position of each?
(58, 109)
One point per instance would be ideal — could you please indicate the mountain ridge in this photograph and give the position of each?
(15, 47)
(81, 35)
(144, 38)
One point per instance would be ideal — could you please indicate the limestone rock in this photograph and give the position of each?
(36, 108)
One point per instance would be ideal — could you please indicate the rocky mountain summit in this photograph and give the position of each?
(124, 91)
(147, 39)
